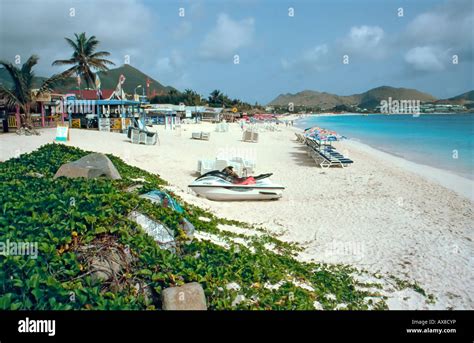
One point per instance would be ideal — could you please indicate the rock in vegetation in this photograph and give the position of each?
(106, 266)
(163, 235)
(187, 297)
(188, 228)
(90, 166)
(238, 299)
(105, 259)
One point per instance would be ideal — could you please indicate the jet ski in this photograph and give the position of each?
(218, 185)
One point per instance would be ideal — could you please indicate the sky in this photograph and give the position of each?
(257, 49)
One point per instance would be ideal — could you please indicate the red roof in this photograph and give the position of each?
(90, 94)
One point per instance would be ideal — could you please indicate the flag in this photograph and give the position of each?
(98, 86)
(148, 82)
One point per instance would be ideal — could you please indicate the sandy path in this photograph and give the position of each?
(376, 214)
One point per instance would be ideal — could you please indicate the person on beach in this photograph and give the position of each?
(229, 170)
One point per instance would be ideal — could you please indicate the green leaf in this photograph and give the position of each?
(5, 301)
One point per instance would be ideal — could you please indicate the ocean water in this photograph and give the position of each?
(444, 141)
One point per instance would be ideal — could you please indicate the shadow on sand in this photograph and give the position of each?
(300, 156)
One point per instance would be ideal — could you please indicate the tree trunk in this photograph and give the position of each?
(26, 123)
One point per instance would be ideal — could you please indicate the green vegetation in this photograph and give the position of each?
(20, 93)
(65, 216)
(192, 98)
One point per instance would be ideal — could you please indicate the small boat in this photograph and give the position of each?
(217, 185)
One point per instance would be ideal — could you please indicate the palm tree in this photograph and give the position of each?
(191, 98)
(216, 98)
(84, 58)
(22, 94)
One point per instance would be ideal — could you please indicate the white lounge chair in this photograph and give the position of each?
(205, 166)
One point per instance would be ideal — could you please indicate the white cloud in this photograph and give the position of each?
(450, 24)
(426, 58)
(227, 37)
(367, 41)
(365, 36)
(433, 37)
(41, 29)
(170, 64)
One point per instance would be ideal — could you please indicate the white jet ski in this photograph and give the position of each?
(217, 185)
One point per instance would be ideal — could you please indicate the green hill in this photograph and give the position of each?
(372, 98)
(134, 77)
(464, 98)
(369, 99)
(6, 80)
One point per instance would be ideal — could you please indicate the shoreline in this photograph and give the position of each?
(446, 178)
(381, 114)
(450, 179)
(374, 215)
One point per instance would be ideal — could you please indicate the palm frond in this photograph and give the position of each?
(90, 45)
(54, 81)
(64, 62)
(9, 96)
(27, 71)
(29, 64)
(100, 54)
(72, 43)
(20, 89)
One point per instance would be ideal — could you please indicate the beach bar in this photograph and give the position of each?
(106, 115)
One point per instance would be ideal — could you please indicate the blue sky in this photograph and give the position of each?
(278, 53)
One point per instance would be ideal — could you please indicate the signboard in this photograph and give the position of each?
(104, 124)
(234, 110)
(45, 97)
(76, 123)
(116, 124)
(62, 133)
(188, 114)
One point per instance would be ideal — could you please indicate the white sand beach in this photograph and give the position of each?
(382, 214)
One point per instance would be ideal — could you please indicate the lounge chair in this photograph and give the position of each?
(250, 136)
(201, 135)
(247, 166)
(138, 136)
(205, 166)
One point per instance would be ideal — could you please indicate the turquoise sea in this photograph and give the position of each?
(445, 141)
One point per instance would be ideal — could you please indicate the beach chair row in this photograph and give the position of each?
(325, 155)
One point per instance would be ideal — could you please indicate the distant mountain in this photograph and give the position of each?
(461, 99)
(369, 99)
(372, 98)
(133, 78)
(313, 98)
